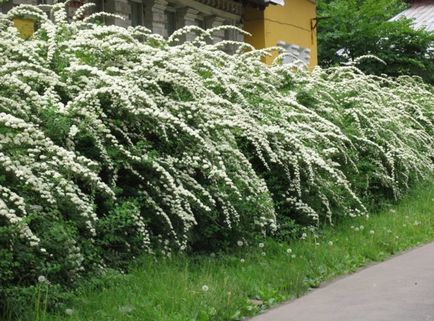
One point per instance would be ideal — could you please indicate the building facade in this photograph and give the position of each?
(271, 22)
(291, 26)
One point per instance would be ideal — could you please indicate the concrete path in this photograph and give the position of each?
(400, 289)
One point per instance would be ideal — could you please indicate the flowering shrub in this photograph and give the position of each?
(116, 141)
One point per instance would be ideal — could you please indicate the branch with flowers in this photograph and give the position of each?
(115, 142)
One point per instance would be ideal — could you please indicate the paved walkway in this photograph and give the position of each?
(400, 289)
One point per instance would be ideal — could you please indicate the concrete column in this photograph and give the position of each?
(109, 7)
(233, 35)
(239, 36)
(155, 16)
(121, 8)
(6, 6)
(18, 2)
(187, 17)
(213, 22)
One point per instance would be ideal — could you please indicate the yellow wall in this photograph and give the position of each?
(290, 23)
(254, 24)
(26, 27)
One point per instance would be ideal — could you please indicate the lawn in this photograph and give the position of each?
(257, 276)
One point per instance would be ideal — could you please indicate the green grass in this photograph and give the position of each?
(171, 289)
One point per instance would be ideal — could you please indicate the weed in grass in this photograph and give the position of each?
(230, 287)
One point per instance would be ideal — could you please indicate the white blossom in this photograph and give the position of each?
(196, 131)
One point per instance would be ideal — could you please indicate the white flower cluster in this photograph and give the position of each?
(91, 113)
(390, 122)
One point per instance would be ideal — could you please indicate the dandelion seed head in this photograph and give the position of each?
(69, 311)
(42, 279)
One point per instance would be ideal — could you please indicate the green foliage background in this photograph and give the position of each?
(361, 27)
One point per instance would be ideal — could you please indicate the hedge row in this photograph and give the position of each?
(115, 142)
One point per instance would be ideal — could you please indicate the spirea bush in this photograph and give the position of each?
(115, 142)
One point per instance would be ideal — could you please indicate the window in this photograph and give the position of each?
(100, 6)
(170, 21)
(203, 21)
(230, 33)
(136, 13)
(200, 22)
